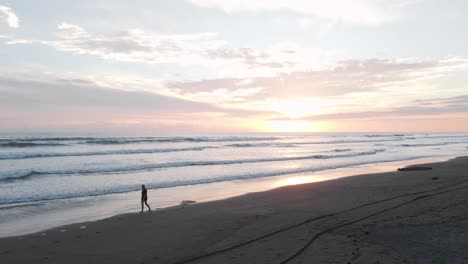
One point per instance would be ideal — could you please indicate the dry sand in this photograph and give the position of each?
(414, 216)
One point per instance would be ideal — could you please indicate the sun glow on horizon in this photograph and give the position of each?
(292, 126)
(295, 108)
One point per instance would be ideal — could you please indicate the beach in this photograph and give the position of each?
(233, 132)
(414, 216)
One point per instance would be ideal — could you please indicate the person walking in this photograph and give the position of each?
(144, 198)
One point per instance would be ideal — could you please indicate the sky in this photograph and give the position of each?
(216, 66)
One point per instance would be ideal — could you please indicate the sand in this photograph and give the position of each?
(412, 216)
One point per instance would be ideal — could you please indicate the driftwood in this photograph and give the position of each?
(414, 168)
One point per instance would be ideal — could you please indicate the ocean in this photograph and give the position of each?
(44, 167)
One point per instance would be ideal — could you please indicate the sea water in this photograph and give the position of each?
(44, 167)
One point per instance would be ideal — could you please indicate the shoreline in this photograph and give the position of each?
(387, 217)
(56, 213)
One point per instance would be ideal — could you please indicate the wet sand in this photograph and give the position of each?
(410, 216)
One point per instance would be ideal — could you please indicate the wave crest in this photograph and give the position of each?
(24, 175)
(10, 156)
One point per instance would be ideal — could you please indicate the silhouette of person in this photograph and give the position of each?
(144, 198)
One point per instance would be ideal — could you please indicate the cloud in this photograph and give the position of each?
(10, 18)
(222, 96)
(397, 112)
(358, 12)
(415, 108)
(341, 78)
(367, 87)
(204, 49)
(455, 102)
(69, 31)
(66, 94)
(36, 101)
(51, 101)
(248, 56)
(135, 45)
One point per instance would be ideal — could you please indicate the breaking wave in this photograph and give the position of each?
(21, 144)
(9, 156)
(27, 174)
